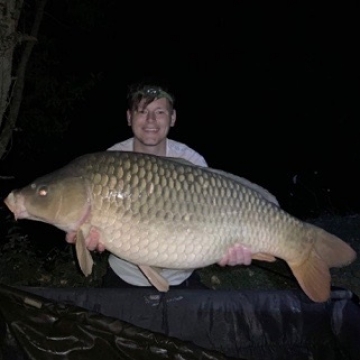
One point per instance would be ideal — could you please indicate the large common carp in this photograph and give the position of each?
(161, 212)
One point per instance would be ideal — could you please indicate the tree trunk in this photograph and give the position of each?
(9, 17)
(11, 88)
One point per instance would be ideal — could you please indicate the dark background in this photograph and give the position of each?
(265, 90)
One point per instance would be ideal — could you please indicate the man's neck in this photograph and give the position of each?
(159, 150)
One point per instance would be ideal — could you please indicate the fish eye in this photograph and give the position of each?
(42, 191)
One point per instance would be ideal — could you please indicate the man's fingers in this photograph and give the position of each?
(236, 255)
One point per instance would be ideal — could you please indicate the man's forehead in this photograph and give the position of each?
(161, 102)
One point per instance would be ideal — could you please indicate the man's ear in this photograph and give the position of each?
(128, 117)
(173, 118)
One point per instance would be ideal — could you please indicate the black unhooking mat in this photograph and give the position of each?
(94, 323)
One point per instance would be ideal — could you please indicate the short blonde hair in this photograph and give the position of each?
(149, 92)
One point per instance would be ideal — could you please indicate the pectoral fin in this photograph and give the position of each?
(154, 277)
(83, 254)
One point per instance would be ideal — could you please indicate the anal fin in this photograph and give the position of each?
(263, 257)
(154, 277)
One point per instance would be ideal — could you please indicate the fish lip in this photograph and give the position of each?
(9, 201)
(20, 214)
(19, 211)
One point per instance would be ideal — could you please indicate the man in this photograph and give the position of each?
(151, 115)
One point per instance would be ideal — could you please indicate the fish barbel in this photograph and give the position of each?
(159, 212)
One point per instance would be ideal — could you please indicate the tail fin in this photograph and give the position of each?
(313, 273)
(334, 251)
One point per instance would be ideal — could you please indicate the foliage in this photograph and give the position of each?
(311, 194)
(50, 98)
(53, 87)
(21, 264)
(88, 15)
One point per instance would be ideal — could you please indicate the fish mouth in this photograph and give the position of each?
(15, 206)
(21, 215)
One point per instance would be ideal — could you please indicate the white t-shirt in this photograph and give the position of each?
(128, 271)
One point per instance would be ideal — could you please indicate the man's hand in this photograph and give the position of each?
(92, 241)
(236, 255)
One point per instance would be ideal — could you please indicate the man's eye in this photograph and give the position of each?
(142, 111)
(160, 112)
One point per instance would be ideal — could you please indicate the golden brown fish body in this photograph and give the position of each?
(159, 212)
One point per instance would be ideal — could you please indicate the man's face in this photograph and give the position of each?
(151, 124)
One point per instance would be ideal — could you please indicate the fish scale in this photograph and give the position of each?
(171, 212)
(164, 212)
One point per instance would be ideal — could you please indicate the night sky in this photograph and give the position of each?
(265, 90)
